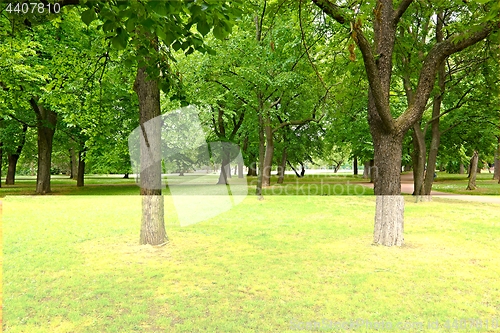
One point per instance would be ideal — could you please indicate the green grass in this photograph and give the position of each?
(325, 184)
(457, 184)
(73, 264)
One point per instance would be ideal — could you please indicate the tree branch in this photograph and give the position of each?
(331, 10)
(403, 6)
(373, 76)
(438, 53)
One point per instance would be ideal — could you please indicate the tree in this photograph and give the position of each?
(388, 132)
(153, 29)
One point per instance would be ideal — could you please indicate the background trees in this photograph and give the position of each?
(292, 83)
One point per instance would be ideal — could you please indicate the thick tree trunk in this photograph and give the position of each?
(418, 160)
(282, 166)
(496, 173)
(153, 224)
(268, 159)
(389, 210)
(46, 126)
(366, 169)
(11, 169)
(355, 166)
(80, 179)
(473, 172)
(13, 158)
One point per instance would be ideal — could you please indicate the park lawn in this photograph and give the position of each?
(457, 184)
(323, 184)
(73, 264)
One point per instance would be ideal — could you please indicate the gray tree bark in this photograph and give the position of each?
(473, 172)
(152, 224)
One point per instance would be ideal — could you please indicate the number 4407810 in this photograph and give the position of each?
(33, 8)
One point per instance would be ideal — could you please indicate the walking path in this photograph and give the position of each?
(407, 188)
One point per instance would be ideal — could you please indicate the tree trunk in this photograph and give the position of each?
(268, 159)
(11, 169)
(461, 169)
(153, 224)
(366, 169)
(252, 169)
(13, 158)
(282, 166)
(126, 176)
(240, 169)
(355, 166)
(80, 178)
(389, 209)
(1, 161)
(436, 111)
(262, 151)
(418, 160)
(225, 169)
(372, 171)
(473, 172)
(496, 173)
(73, 164)
(46, 127)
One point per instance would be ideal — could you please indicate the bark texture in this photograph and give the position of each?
(46, 126)
(473, 172)
(80, 178)
(389, 220)
(153, 224)
(387, 132)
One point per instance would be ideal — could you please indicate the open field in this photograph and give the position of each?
(319, 183)
(72, 264)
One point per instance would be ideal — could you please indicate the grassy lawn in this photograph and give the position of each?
(455, 183)
(334, 184)
(72, 264)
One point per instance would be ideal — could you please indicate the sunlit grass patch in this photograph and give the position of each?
(73, 264)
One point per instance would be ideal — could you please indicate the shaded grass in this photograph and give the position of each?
(324, 184)
(72, 264)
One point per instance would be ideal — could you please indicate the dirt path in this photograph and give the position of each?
(407, 188)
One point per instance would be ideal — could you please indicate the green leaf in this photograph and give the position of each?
(160, 32)
(88, 16)
(203, 27)
(160, 9)
(219, 32)
(108, 26)
(120, 41)
(130, 24)
(176, 46)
